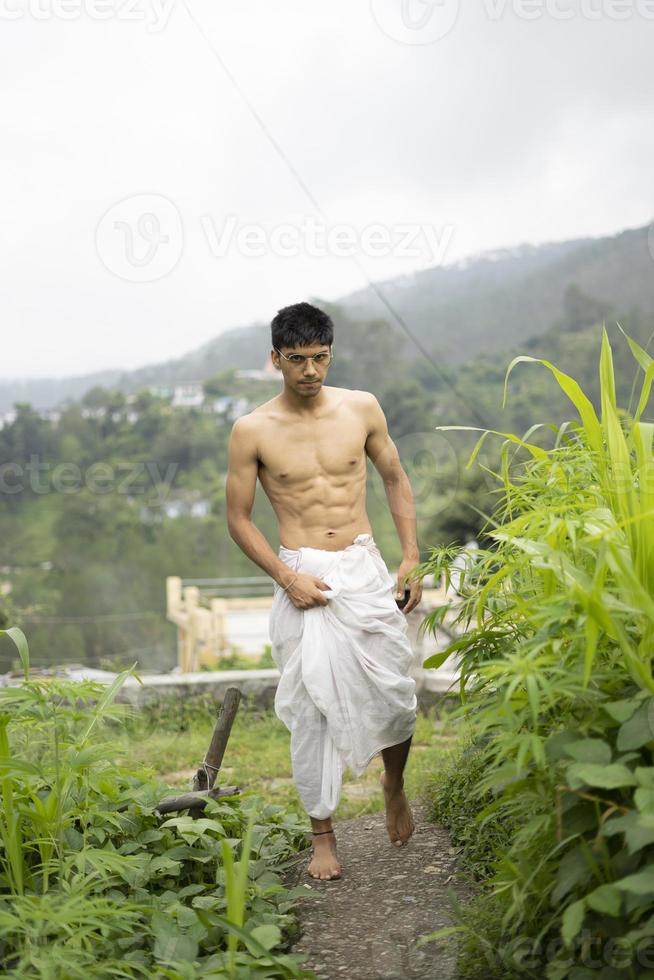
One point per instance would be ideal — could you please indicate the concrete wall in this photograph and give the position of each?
(258, 686)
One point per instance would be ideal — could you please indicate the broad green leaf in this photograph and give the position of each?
(556, 744)
(573, 919)
(644, 799)
(638, 829)
(174, 945)
(580, 819)
(20, 640)
(626, 757)
(589, 750)
(436, 659)
(573, 870)
(237, 931)
(267, 935)
(73, 838)
(645, 776)
(607, 777)
(620, 711)
(639, 729)
(641, 883)
(605, 899)
(163, 863)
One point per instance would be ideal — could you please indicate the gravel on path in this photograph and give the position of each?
(364, 925)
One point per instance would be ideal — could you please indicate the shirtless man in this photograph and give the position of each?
(308, 447)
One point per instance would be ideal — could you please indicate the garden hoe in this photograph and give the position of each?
(205, 777)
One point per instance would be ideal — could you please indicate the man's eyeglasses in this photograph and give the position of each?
(322, 358)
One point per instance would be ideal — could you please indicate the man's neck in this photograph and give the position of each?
(304, 406)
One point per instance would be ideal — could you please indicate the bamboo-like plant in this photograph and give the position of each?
(556, 675)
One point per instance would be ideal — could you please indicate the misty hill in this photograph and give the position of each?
(489, 303)
(502, 298)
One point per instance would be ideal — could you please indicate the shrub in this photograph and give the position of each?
(93, 883)
(556, 677)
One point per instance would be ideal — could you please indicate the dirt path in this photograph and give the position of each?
(364, 925)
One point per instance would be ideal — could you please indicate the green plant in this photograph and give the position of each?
(94, 884)
(556, 678)
(237, 660)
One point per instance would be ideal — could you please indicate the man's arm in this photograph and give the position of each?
(381, 449)
(240, 489)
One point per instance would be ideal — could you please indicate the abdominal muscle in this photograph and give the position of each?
(327, 538)
(313, 520)
(314, 473)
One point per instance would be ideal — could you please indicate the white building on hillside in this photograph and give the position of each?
(190, 395)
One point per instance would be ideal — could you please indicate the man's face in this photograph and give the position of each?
(304, 368)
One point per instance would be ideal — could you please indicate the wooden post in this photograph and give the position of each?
(173, 596)
(203, 782)
(191, 600)
(219, 625)
(175, 614)
(221, 732)
(193, 801)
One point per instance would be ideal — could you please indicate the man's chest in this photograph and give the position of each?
(304, 451)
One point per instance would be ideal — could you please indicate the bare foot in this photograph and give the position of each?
(399, 819)
(324, 863)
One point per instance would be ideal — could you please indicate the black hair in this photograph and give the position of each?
(301, 325)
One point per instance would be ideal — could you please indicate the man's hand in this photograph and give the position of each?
(415, 585)
(306, 591)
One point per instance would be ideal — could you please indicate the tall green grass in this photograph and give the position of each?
(556, 677)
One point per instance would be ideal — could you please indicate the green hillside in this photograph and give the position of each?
(86, 568)
(501, 299)
(83, 569)
(485, 304)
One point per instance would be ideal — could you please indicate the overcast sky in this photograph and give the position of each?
(171, 169)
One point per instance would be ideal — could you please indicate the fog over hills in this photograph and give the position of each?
(489, 302)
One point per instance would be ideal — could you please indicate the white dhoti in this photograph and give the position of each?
(345, 690)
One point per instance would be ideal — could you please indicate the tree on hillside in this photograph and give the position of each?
(407, 408)
(461, 519)
(581, 310)
(366, 353)
(96, 397)
(220, 384)
(27, 441)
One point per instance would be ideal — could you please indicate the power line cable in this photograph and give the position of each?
(311, 197)
(53, 620)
